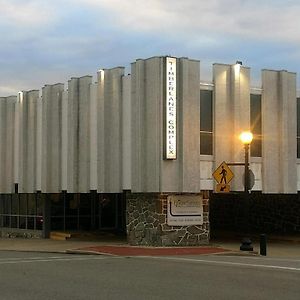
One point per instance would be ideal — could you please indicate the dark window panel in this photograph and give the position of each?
(14, 222)
(30, 223)
(256, 147)
(14, 204)
(206, 111)
(23, 223)
(256, 125)
(298, 147)
(298, 117)
(6, 204)
(31, 201)
(255, 114)
(6, 221)
(206, 143)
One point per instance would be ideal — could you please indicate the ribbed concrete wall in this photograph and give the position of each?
(109, 135)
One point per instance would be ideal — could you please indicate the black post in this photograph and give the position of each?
(246, 183)
(246, 241)
(93, 194)
(46, 215)
(263, 244)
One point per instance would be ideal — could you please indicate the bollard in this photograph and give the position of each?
(263, 244)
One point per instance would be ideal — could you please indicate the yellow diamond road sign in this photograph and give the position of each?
(223, 174)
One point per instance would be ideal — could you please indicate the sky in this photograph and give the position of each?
(50, 41)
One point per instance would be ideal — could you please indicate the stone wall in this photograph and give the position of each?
(147, 222)
(269, 213)
(20, 233)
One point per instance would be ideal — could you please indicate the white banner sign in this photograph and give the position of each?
(170, 108)
(185, 210)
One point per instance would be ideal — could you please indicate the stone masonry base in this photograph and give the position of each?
(147, 222)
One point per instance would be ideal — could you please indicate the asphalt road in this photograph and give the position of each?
(26, 275)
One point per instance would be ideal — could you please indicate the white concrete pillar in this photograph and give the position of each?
(147, 127)
(126, 132)
(28, 142)
(79, 135)
(7, 125)
(52, 138)
(279, 131)
(64, 142)
(110, 130)
(150, 171)
(39, 144)
(231, 116)
(93, 137)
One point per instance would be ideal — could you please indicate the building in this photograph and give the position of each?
(135, 153)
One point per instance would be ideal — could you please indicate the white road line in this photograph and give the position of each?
(269, 258)
(22, 258)
(54, 260)
(220, 262)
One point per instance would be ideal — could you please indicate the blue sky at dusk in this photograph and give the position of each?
(49, 41)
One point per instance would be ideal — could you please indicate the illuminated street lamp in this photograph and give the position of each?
(246, 137)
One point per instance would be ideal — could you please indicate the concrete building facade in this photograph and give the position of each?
(135, 153)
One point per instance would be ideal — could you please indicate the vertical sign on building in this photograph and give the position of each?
(170, 109)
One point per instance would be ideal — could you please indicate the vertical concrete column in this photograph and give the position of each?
(39, 144)
(279, 126)
(147, 126)
(52, 138)
(150, 171)
(17, 152)
(100, 131)
(64, 142)
(7, 125)
(126, 132)
(28, 142)
(84, 134)
(110, 130)
(79, 134)
(93, 137)
(231, 116)
(189, 125)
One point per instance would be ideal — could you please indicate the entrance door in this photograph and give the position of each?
(110, 212)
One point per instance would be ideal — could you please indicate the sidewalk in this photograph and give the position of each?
(118, 246)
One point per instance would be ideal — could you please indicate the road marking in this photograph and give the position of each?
(220, 262)
(38, 257)
(270, 258)
(29, 260)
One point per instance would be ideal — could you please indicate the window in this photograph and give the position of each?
(24, 211)
(298, 127)
(256, 127)
(206, 122)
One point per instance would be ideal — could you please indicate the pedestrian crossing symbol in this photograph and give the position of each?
(223, 175)
(222, 188)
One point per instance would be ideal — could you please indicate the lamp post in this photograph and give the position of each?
(246, 137)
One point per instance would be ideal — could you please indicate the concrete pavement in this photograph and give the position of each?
(275, 248)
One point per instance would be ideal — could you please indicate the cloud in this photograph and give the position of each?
(29, 13)
(271, 20)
